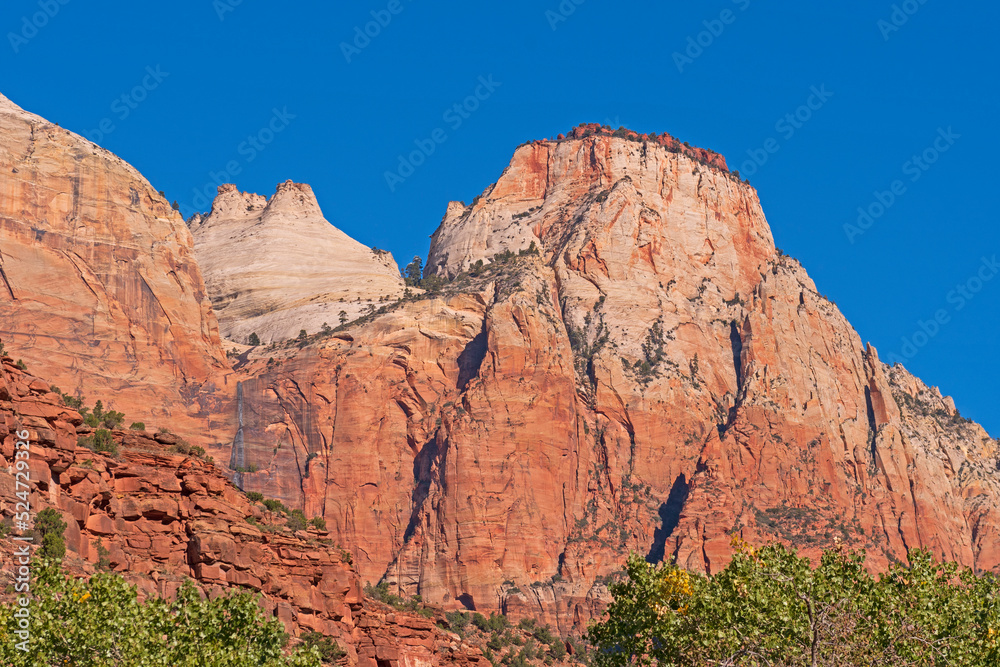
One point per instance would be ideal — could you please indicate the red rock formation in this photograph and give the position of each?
(99, 290)
(659, 379)
(162, 517)
(707, 157)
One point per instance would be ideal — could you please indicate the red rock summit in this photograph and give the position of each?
(618, 360)
(702, 155)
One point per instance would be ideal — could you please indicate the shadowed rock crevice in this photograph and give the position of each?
(872, 424)
(471, 358)
(736, 342)
(670, 514)
(423, 470)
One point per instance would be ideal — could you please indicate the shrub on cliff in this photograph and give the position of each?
(297, 520)
(101, 441)
(275, 505)
(101, 622)
(329, 650)
(98, 416)
(69, 401)
(458, 621)
(770, 606)
(50, 527)
(495, 623)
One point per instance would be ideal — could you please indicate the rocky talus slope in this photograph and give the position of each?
(99, 289)
(158, 517)
(659, 378)
(297, 271)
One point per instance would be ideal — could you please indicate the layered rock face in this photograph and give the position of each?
(658, 378)
(159, 517)
(295, 270)
(619, 360)
(99, 290)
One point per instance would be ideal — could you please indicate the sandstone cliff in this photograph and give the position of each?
(158, 517)
(99, 289)
(295, 270)
(657, 378)
(618, 359)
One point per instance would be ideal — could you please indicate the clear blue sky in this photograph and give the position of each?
(892, 91)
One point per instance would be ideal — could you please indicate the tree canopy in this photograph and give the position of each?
(772, 607)
(101, 623)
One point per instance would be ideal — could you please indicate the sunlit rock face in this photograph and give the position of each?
(632, 367)
(275, 267)
(99, 288)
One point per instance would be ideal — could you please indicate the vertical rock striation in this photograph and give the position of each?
(619, 360)
(100, 290)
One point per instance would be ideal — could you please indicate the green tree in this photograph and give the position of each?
(254, 339)
(50, 527)
(100, 623)
(329, 650)
(110, 419)
(297, 520)
(342, 316)
(275, 505)
(772, 607)
(101, 441)
(413, 271)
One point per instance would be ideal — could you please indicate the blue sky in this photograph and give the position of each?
(270, 90)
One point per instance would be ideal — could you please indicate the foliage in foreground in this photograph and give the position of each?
(101, 623)
(771, 607)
